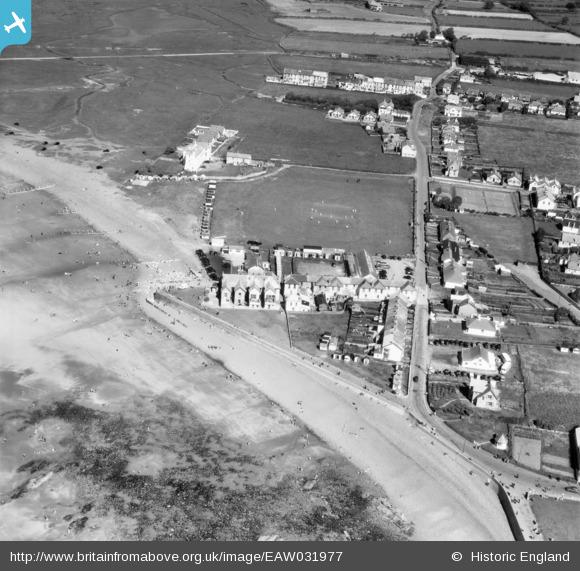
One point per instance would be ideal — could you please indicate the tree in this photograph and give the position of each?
(432, 34)
(565, 21)
(488, 5)
(422, 36)
(571, 7)
(456, 202)
(560, 314)
(449, 35)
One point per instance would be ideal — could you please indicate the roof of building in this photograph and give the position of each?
(481, 324)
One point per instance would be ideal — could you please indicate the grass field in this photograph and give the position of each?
(563, 38)
(303, 9)
(531, 88)
(558, 520)
(553, 386)
(351, 27)
(555, 13)
(539, 64)
(540, 145)
(343, 66)
(455, 21)
(361, 46)
(310, 206)
(507, 239)
(483, 199)
(515, 48)
(303, 136)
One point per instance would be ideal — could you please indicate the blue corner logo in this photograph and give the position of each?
(15, 22)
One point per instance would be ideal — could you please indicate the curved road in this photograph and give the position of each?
(516, 480)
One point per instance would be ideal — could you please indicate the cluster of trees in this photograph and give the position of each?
(446, 202)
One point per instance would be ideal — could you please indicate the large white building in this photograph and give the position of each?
(393, 339)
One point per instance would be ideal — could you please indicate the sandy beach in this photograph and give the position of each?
(428, 485)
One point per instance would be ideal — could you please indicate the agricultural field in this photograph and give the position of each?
(302, 9)
(563, 38)
(314, 206)
(344, 66)
(506, 239)
(555, 13)
(482, 199)
(294, 134)
(534, 89)
(386, 29)
(539, 64)
(515, 49)
(361, 46)
(458, 22)
(557, 519)
(471, 6)
(553, 386)
(540, 145)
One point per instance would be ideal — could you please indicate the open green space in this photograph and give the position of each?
(506, 239)
(543, 146)
(514, 48)
(317, 206)
(292, 133)
(558, 520)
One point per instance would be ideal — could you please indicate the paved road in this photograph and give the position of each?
(516, 480)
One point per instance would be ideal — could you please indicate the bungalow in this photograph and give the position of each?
(353, 116)
(477, 359)
(556, 111)
(453, 111)
(493, 177)
(483, 393)
(515, 105)
(454, 276)
(453, 146)
(535, 107)
(480, 327)
(335, 113)
(446, 88)
(409, 150)
(401, 115)
(514, 179)
(369, 118)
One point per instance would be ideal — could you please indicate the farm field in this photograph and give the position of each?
(303, 136)
(310, 206)
(478, 7)
(540, 145)
(344, 66)
(507, 239)
(351, 27)
(301, 9)
(459, 22)
(532, 88)
(515, 49)
(563, 38)
(539, 64)
(483, 199)
(555, 13)
(361, 45)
